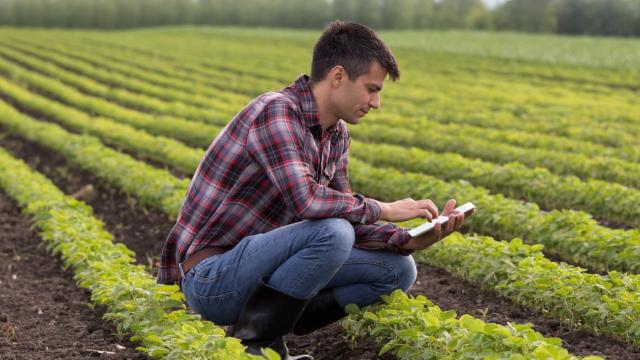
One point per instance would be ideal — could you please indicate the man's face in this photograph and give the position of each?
(354, 99)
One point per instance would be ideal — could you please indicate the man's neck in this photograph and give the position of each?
(321, 95)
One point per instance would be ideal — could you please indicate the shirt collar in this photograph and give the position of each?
(308, 104)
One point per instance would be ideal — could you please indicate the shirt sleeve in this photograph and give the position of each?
(393, 236)
(276, 142)
(388, 233)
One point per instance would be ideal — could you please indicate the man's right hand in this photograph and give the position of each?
(407, 209)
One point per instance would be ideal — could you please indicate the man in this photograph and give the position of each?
(270, 238)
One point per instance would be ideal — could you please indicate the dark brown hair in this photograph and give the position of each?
(354, 46)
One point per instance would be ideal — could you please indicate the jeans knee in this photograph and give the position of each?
(407, 272)
(340, 233)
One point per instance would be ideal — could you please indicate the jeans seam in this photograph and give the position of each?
(235, 294)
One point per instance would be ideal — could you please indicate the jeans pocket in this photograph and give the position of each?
(209, 270)
(214, 294)
(216, 301)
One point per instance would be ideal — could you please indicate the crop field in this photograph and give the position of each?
(100, 133)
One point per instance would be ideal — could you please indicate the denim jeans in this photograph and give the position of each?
(299, 260)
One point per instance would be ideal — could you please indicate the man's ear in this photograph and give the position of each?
(337, 75)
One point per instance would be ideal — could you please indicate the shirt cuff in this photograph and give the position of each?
(398, 240)
(372, 211)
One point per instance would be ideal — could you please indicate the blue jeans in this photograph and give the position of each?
(299, 260)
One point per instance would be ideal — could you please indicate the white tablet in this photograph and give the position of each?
(426, 227)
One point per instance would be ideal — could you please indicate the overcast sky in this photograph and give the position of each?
(493, 3)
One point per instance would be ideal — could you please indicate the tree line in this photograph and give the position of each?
(594, 17)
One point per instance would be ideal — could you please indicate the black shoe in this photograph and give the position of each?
(322, 310)
(268, 315)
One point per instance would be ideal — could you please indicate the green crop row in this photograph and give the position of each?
(223, 54)
(158, 148)
(36, 132)
(582, 166)
(154, 71)
(604, 168)
(604, 133)
(132, 93)
(193, 133)
(574, 236)
(614, 203)
(230, 87)
(154, 314)
(628, 152)
(528, 139)
(152, 186)
(415, 328)
(597, 80)
(518, 138)
(518, 117)
(603, 304)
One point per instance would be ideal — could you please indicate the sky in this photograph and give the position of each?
(493, 3)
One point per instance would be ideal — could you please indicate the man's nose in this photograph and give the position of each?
(374, 102)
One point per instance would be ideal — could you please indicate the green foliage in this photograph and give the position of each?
(154, 314)
(158, 148)
(167, 101)
(471, 145)
(414, 328)
(602, 304)
(611, 17)
(152, 186)
(604, 200)
(275, 13)
(571, 235)
(193, 133)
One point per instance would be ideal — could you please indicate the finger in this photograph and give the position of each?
(459, 221)
(437, 232)
(434, 207)
(426, 214)
(428, 205)
(451, 204)
(450, 224)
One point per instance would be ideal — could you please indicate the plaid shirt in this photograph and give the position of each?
(272, 165)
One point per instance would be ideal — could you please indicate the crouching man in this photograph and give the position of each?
(270, 239)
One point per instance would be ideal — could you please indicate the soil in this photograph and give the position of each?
(143, 231)
(43, 314)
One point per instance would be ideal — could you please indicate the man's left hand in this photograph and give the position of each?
(423, 241)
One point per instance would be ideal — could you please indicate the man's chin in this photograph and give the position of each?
(352, 121)
(356, 119)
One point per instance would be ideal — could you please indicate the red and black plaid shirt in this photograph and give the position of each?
(272, 165)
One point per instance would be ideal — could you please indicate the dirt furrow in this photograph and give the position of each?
(43, 314)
